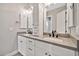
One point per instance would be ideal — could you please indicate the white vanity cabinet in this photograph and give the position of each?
(30, 47)
(22, 45)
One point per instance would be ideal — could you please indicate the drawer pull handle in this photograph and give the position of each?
(30, 41)
(30, 49)
(21, 41)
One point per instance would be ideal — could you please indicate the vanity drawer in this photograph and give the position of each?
(30, 49)
(30, 41)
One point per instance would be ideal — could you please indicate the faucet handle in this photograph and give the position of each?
(49, 35)
(56, 35)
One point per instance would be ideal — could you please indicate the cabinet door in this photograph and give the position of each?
(22, 45)
(41, 48)
(41, 52)
(60, 51)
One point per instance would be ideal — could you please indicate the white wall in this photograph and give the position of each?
(9, 14)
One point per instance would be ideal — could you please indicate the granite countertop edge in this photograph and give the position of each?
(54, 43)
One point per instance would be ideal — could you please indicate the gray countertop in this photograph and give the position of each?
(69, 43)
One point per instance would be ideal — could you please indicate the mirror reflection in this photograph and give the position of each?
(59, 18)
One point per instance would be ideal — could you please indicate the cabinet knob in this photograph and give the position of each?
(46, 53)
(49, 55)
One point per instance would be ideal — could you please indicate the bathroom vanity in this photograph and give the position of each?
(29, 45)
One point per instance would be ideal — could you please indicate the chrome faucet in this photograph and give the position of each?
(54, 34)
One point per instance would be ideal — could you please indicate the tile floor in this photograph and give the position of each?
(18, 54)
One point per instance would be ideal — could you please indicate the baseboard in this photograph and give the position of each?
(12, 53)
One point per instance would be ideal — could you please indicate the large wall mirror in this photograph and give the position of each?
(58, 18)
